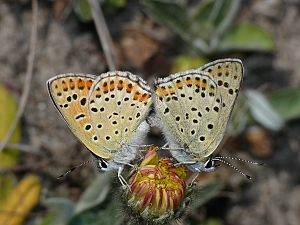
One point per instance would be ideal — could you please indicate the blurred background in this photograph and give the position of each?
(150, 38)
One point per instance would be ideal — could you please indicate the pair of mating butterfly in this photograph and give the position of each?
(109, 113)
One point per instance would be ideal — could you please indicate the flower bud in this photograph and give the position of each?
(157, 188)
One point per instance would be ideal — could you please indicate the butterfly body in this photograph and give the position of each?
(194, 108)
(106, 113)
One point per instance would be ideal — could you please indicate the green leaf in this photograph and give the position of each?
(263, 112)
(111, 6)
(96, 193)
(8, 157)
(286, 102)
(247, 37)
(217, 16)
(6, 185)
(8, 111)
(61, 210)
(202, 24)
(213, 221)
(169, 13)
(108, 213)
(83, 10)
(186, 62)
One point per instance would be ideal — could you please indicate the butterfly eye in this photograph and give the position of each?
(209, 163)
(102, 165)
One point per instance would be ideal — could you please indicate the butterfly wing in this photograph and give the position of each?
(69, 93)
(228, 73)
(118, 104)
(187, 103)
(195, 105)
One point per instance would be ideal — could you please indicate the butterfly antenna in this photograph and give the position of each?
(242, 160)
(71, 170)
(221, 159)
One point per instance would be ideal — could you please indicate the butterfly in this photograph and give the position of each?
(106, 113)
(194, 108)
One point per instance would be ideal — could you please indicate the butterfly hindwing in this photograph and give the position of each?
(228, 74)
(118, 104)
(187, 115)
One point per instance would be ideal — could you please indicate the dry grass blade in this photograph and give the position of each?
(103, 32)
(24, 97)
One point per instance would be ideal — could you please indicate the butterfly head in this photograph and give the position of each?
(102, 165)
(208, 165)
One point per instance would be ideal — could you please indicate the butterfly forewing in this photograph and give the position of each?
(69, 93)
(228, 74)
(118, 103)
(187, 103)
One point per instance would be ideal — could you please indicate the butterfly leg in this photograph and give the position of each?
(185, 163)
(122, 179)
(164, 146)
(195, 178)
(124, 163)
(144, 146)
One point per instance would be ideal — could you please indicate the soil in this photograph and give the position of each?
(65, 44)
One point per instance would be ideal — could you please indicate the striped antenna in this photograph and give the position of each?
(71, 170)
(221, 159)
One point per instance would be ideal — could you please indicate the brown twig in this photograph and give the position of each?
(24, 97)
(103, 33)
